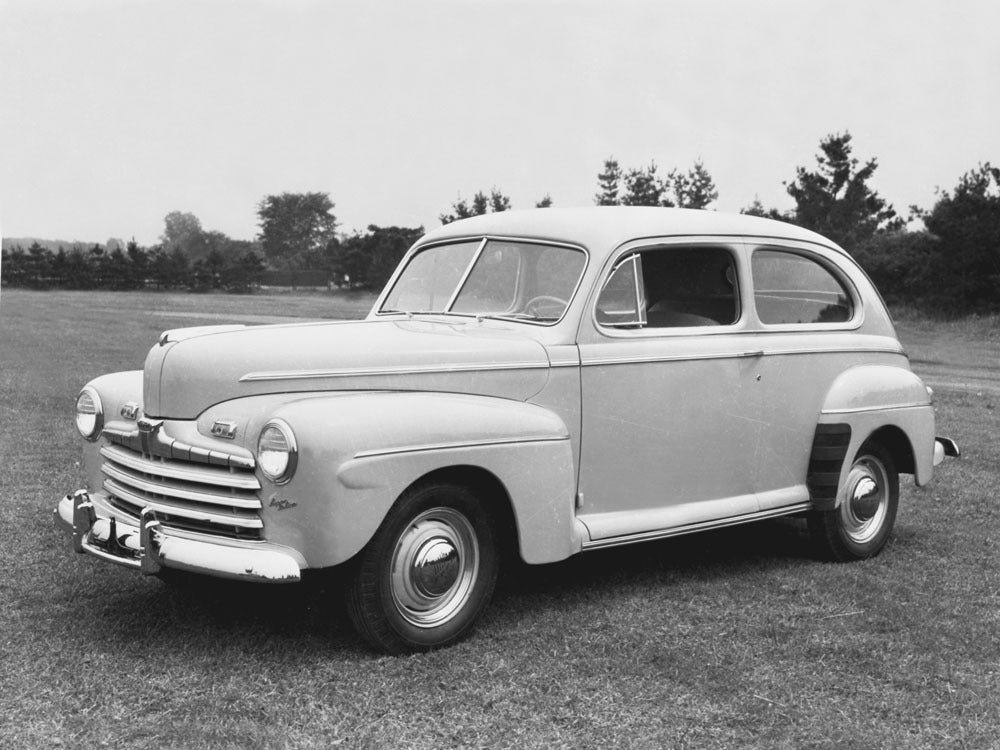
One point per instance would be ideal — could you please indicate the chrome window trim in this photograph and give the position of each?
(857, 318)
(731, 244)
(378, 313)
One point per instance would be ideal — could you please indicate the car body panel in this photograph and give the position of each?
(429, 355)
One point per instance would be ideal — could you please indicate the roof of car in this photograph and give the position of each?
(610, 226)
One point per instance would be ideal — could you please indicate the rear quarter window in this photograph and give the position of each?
(793, 289)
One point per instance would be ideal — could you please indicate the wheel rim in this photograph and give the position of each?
(434, 567)
(866, 504)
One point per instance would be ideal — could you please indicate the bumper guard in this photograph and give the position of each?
(945, 447)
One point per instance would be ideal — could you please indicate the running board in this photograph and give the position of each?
(649, 536)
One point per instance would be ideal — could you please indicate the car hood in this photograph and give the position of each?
(193, 369)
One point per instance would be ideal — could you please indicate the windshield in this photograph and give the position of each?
(492, 278)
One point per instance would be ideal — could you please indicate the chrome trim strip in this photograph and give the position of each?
(457, 445)
(197, 514)
(187, 473)
(378, 371)
(668, 358)
(838, 350)
(646, 536)
(866, 409)
(129, 479)
(154, 442)
(733, 355)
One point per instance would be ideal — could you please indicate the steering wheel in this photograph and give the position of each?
(533, 306)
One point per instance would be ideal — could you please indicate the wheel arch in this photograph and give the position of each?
(896, 441)
(489, 488)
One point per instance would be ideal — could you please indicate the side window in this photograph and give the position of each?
(690, 286)
(792, 289)
(671, 287)
(620, 304)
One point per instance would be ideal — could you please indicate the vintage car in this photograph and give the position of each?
(542, 383)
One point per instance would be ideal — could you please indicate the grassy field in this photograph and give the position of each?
(733, 639)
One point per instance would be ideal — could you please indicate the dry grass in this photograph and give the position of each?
(730, 639)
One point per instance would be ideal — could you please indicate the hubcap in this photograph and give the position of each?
(864, 508)
(434, 567)
(865, 499)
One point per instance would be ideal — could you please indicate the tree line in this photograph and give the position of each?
(951, 264)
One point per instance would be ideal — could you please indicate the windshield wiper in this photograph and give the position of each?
(411, 313)
(515, 316)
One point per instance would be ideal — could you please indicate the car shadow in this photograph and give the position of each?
(214, 618)
(707, 555)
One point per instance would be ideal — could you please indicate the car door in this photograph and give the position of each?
(807, 313)
(667, 428)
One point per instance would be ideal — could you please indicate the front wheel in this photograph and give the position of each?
(859, 526)
(430, 569)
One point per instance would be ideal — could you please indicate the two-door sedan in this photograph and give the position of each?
(545, 382)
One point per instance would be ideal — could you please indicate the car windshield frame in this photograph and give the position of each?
(388, 306)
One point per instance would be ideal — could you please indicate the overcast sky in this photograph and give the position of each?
(113, 114)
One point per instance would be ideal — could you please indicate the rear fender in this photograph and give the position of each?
(873, 398)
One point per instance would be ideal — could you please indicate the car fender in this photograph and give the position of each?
(867, 399)
(358, 452)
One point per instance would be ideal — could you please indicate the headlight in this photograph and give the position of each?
(89, 413)
(277, 452)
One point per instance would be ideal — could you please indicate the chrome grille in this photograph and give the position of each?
(206, 497)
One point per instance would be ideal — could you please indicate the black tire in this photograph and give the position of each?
(427, 574)
(860, 525)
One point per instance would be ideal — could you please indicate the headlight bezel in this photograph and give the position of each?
(291, 452)
(97, 426)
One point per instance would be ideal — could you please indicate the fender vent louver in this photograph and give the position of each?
(828, 452)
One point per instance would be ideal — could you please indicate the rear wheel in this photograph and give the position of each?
(859, 526)
(428, 572)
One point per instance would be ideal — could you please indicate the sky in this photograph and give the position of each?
(114, 114)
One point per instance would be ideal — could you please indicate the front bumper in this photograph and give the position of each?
(151, 547)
